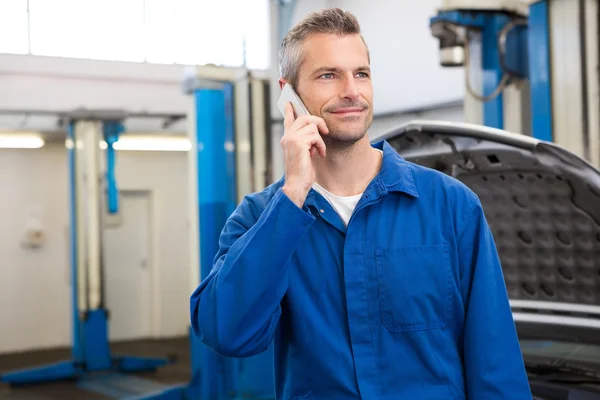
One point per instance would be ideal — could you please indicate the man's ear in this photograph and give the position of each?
(282, 83)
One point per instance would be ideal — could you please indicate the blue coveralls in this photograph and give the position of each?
(406, 303)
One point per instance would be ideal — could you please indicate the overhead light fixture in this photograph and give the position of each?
(150, 143)
(21, 140)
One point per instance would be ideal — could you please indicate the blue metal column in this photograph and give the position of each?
(539, 71)
(216, 201)
(213, 377)
(95, 323)
(493, 110)
(112, 131)
(95, 340)
(76, 351)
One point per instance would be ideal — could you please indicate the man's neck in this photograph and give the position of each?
(348, 171)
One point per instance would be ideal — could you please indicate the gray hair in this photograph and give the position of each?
(332, 20)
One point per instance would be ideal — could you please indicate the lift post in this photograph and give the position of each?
(491, 45)
(224, 137)
(228, 129)
(90, 345)
(542, 58)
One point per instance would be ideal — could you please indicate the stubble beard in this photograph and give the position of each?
(344, 135)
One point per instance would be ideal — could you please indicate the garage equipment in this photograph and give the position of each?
(530, 67)
(93, 197)
(229, 127)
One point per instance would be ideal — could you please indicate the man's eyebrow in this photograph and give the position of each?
(326, 69)
(334, 69)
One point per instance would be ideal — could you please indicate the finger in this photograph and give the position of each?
(313, 151)
(310, 129)
(317, 141)
(304, 120)
(289, 116)
(310, 135)
(321, 147)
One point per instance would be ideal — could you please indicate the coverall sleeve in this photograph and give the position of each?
(236, 308)
(492, 355)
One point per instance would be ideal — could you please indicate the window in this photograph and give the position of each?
(194, 32)
(95, 29)
(159, 31)
(229, 33)
(257, 33)
(14, 32)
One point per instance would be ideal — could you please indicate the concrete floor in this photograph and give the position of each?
(176, 373)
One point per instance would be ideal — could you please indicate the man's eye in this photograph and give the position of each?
(363, 75)
(327, 76)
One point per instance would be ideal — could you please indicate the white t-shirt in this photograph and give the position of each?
(343, 205)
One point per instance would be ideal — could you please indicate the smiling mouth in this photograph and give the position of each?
(347, 111)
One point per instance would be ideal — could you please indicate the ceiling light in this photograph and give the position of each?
(150, 143)
(21, 140)
(153, 143)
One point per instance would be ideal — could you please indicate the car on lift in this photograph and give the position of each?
(542, 203)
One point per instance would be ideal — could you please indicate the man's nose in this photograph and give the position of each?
(350, 88)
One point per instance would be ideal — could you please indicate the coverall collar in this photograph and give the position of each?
(395, 174)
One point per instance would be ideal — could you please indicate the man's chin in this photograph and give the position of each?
(345, 135)
(348, 131)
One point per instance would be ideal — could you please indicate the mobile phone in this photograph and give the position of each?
(288, 94)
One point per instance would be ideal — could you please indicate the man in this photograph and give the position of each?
(374, 277)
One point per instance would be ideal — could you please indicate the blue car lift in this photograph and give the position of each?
(215, 165)
(544, 51)
(502, 37)
(92, 363)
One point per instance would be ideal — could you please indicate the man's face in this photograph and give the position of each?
(334, 82)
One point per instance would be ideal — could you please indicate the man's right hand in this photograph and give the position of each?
(301, 141)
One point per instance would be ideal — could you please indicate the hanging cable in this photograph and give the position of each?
(496, 92)
(463, 34)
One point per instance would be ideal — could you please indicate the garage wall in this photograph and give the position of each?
(62, 84)
(405, 76)
(35, 285)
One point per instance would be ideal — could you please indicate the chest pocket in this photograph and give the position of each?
(414, 285)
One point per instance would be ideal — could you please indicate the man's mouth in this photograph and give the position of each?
(348, 111)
